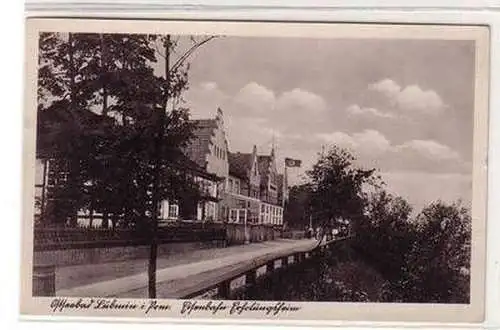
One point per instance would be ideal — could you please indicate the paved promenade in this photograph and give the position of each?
(175, 273)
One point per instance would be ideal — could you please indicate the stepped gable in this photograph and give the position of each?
(265, 162)
(198, 148)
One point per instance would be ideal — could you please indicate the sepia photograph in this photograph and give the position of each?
(270, 167)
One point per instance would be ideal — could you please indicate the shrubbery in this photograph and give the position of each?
(423, 257)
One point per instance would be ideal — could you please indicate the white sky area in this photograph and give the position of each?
(402, 106)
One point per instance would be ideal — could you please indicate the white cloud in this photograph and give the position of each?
(341, 139)
(239, 129)
(300, 100)
(387, 87)
(369, 143)
(372, 148)
(204, 99)
(356, 110)
(256, 98)
(425, 101)
(430, 149)
(372, 143)
(412, 98)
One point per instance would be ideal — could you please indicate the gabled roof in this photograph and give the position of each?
(184, 163)
(239, 164)
(198, 148)
(265, 163)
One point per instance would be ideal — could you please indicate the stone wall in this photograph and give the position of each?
(83, 256)
(235, 233)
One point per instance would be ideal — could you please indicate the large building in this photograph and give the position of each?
(52, 173)
(254, 191)
(236, 187)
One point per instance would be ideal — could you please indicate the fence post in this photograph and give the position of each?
(250, 284)
(224, 290)
(44, 281)
(284, 262)
(270, 266)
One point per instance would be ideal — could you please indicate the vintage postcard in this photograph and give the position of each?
(255, 171)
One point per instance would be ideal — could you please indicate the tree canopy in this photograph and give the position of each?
(100, 101)
(423, 257)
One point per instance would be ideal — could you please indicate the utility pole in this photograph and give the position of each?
(153, 253)
(155, 217)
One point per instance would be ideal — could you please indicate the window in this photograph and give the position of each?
(222, 213)
(242, 216)
(210, 211)
(233, 215)
(236, 186)
(169, 210)
(39, 171)
(164, 209)
(238, 215)
(173, 211)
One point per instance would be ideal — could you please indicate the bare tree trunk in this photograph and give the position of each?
(105, 220)
(91, 215)
(114, 220)
(73, 166)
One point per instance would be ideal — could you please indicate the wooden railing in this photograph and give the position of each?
(250, 275)
(219, 282)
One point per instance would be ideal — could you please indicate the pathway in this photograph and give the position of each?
(175, 273)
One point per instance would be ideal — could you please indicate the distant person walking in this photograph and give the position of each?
(319, 233)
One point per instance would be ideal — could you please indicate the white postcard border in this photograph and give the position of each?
(311, 311)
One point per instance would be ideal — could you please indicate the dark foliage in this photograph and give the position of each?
(98, 114)
(423, 258)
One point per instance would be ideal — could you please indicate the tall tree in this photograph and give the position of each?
(339, 187)
(84, 81)
(438, 264)
(103, 110)
(386, 233)
(298, 209)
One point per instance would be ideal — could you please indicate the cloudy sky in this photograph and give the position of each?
(402, 106)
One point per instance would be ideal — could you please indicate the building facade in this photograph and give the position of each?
(236, 187)
(254, 190)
